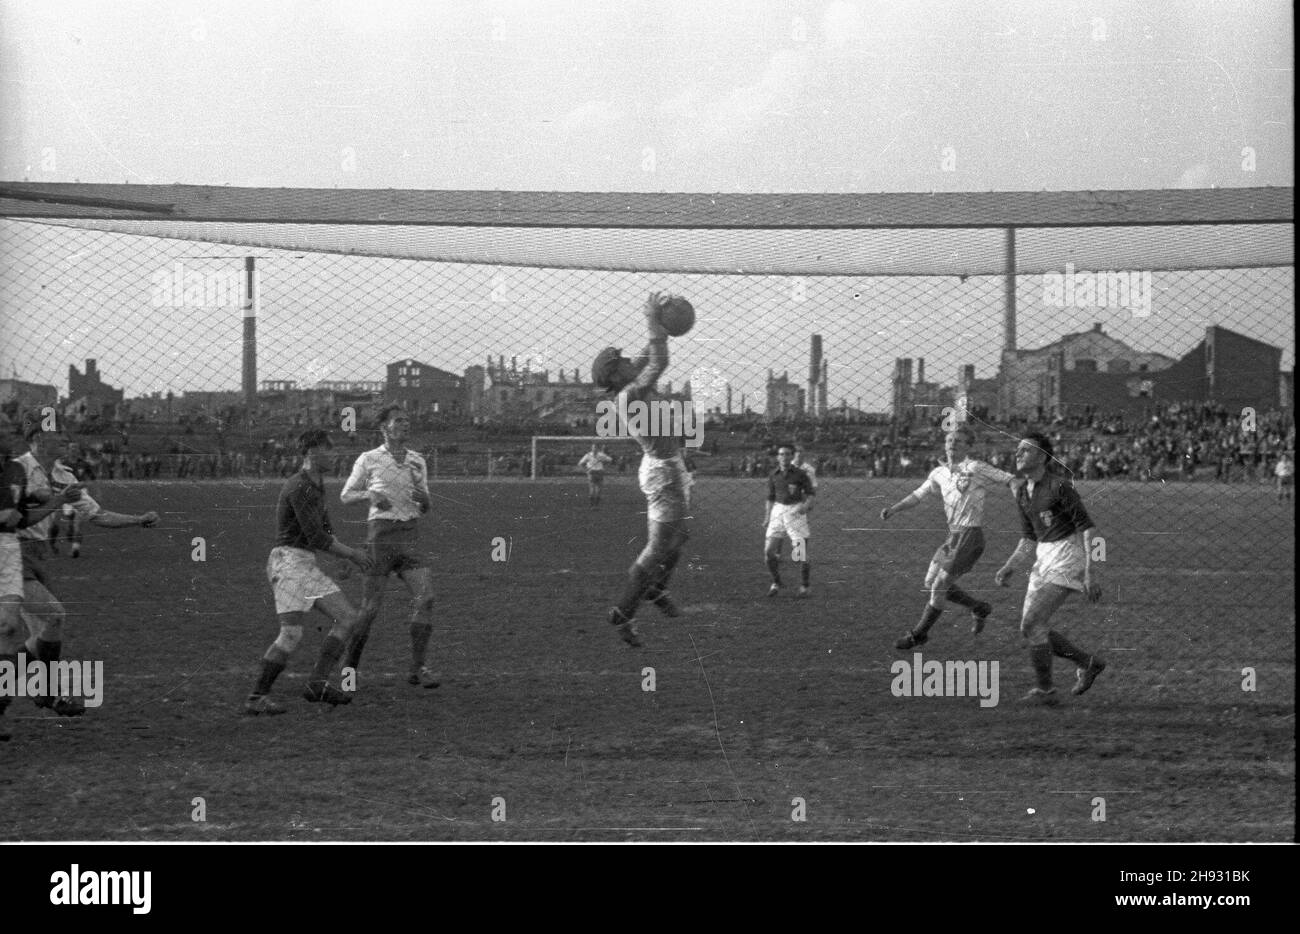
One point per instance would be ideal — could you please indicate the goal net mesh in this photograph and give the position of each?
(1152, 337)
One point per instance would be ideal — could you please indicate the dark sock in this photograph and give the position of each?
(330, 650)
(1066, 649)
(47, 652)
(962, 598)
(805, 572)
(356, 644)
(928, 619)
(774, 568)
(638, 579)
(1041, 658)
(270, 671)
(662, 575)
(420, 633)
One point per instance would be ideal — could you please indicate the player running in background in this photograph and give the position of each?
(663, 476)
(395, 482)
(789, 501)
(593, 462)
(70, 467)
(1285, 472)
(42, 611)
(302, 529)
(1057, 538)
(961, 484)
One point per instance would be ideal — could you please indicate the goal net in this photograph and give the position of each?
(1150, 334)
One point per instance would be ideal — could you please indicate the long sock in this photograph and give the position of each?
(1066, 649)
(805, 572)
(330, 650)
(270, 671)
(1041, 658)
(928, 619)
(638, 579)
(663, 573)
(420, 633)
(962, 598)
(357, 643)
(774, 568)
(46, 653)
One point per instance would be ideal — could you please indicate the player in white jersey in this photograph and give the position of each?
(593, 462)
(42, 611)
(961, 483)
(395, 482)
(663, 476)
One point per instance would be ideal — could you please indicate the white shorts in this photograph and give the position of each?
(1061, 563)
(11, 566)
(667, 487)
(296, 580)
(787, 521)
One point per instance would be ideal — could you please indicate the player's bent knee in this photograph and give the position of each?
(288, 639)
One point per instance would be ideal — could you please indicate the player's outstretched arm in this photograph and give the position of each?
(120, 520)
(904, 504)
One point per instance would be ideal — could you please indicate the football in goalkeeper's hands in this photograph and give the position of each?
(677, 315)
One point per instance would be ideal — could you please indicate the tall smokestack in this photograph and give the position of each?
(814, 370)
(252, 301)
(728, 398)
(1009, 310)
(920, 369)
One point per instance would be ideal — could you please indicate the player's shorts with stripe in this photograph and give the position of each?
(394, 546)
(296, 580)
(11, 566)
(1061, 563)
(667, 487)
(789, 522)
(957, 554)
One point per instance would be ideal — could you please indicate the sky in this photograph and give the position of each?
(627, 96)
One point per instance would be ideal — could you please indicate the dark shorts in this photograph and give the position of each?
(35, 551)
(596, 478)
(394, 547)
(959, 553)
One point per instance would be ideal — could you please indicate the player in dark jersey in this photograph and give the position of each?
(1057, 537)
(302, 529)
(789, 500)
(663, 476)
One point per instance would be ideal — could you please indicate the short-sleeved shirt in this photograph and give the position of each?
(963, 489)
(789, 487)
(1053, 511)
(378, 471)
(594, 463)
(302, 521)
